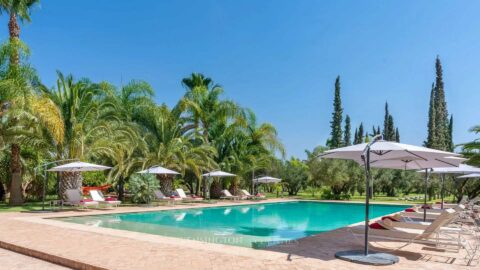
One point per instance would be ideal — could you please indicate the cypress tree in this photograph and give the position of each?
(355, 137)
(451, 146)
(347, 140)
(441, 113)
(378, 130)
(336, 123)
(397, 135)
(390, 129)
(386, 131)
(360, 133)
(431, 139)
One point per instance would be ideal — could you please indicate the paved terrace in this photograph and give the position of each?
(83, 247)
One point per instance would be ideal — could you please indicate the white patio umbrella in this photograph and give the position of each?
(461, 169)
(158, 170)
(266, 179)
(472, 175)
(384, 154)
(78, 166)
(216, 174)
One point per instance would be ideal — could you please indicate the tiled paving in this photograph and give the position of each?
(115, 249)
(14, 261)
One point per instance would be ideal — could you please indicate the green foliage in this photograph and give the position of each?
(431, 138)
(335, 140)
(94, 179)
(143, 187)
(439, 130)
(347, 138)
(389, 130)
(359, 135)
(295, 175)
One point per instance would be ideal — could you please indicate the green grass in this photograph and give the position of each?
(377, 198)
(28, 206)
(31, 206)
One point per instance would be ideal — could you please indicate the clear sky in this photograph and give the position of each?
(279, 58)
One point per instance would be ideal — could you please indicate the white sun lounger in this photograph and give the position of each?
(97, 196)
(250, 196)
(74, 198)
(227, 195)
(433, 234)
(183, 196)
(159, 196)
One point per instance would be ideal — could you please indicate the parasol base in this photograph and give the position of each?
(373, 258)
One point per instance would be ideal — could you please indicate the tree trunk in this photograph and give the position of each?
(121, 188)
(166, 184)
(216, 189)
(2, 192)
(234, 187)
(69, 180)
(199, 186)
(14, 32)
(16, 197)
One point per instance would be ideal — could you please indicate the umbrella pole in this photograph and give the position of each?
(367, 200)
(442, 193)
(253, 184)
(363, 256)
(427, 174)
(44, 188)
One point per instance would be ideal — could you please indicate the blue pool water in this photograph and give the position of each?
(256, 226)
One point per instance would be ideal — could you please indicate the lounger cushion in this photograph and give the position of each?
(390, 218)
(410, 210)
(376, 226)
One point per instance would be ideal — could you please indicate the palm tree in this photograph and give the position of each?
(203, 106)
(16, 9)
(25, 116)
(86, 118)
(125, 152)
(171, 147)
(20, 9)
(472, 149)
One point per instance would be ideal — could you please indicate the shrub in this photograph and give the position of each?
(142, 187)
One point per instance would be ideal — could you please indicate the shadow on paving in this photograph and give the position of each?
(324, 246)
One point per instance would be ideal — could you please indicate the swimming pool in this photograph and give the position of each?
(252, 225)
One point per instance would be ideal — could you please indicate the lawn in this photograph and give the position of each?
(31, 206)
(377, 198)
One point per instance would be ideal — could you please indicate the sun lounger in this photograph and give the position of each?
(159, 196)
(431, 213)
(433, 234)
(74, 198)
(183, 196)
(228, 196)
(247, 195)
(429, 234)
(97, 196)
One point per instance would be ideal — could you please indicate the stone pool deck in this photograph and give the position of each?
(85, 247)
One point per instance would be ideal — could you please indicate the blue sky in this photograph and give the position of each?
(279, 58)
